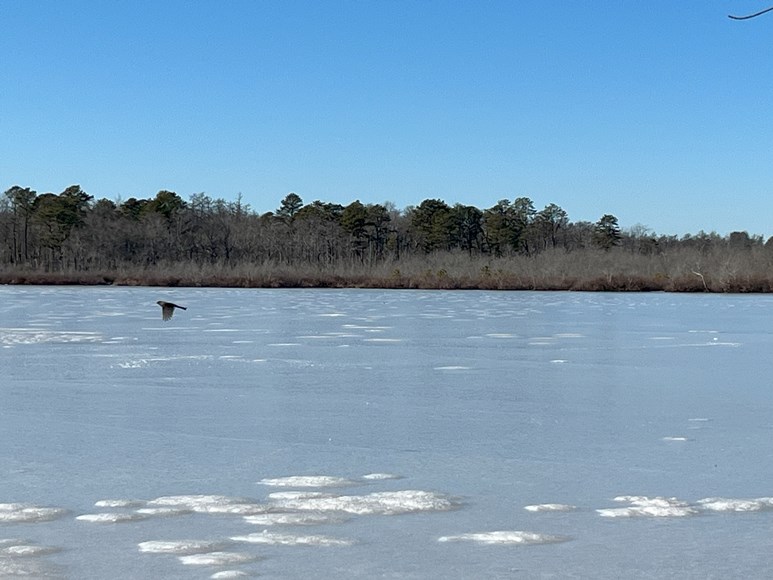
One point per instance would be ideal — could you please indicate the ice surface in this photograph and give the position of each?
(465, 395)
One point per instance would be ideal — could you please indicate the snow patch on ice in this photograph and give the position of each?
(293, 519)
(23, 549)
(28, 513)
(15, 336)
(197, 502)
(111, 518)
(119, 503)
(164, 512)
(217, 559)
(210, 504)
(721, 504)
(380, 503)
(180, 547)
(515, 538)
(307, 481)
(381, 476)
(223, 574)
(550, 507)
(144, 362)
(291, 540)
(297, 495)
(643, 506)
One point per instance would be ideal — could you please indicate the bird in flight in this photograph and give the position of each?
(167, 309)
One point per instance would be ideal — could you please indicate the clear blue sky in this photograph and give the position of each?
(657, 111)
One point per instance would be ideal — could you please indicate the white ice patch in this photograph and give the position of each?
(380, 503)
(308, 481)
(569, 335)
(559, 361)
(500, 335)
(515, 538)
(642, 506)
(223, 574)
(180, 547)
(23, 549)
(674, 438)
(119, 503)
(721, 504)
(28, 513)
(111, 518)
(291, 540)
(217, 559)
(381, 476)
(382, 340)
(12, 567)
(144, 362)
(14, 336)
(452, 368)
(293, 519)
(164, 512)
(294, 495)
(210, 504)
(550, 507)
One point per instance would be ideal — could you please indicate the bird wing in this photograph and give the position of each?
(166, 311)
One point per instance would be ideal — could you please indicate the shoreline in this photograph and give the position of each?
(444, 281)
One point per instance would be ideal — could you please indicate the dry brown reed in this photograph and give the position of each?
(681, 270)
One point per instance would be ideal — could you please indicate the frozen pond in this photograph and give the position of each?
(384, 434)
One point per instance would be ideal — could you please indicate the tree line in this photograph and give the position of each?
(72, 233)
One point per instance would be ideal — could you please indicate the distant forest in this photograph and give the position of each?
(71, 238)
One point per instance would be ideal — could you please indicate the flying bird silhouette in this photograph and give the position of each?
(167, 309)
